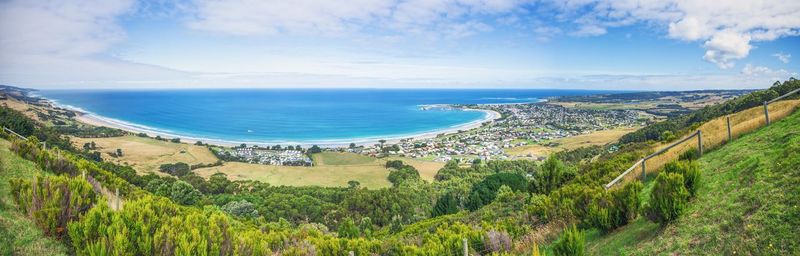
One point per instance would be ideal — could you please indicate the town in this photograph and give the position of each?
(289, 156)
(520, 124)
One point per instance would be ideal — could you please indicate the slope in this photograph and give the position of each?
(18, 234)
(747, 203)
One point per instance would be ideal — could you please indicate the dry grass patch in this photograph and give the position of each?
(715, 133)
(147, 154)
(371, 175)
(427, 169)
(595, 138)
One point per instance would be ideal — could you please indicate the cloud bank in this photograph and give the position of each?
(44, 42)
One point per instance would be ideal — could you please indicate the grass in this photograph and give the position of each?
(715, 132)
(331, 169)
(371, 175)
(747, 203)
(427, 169)
(147, 154)
(595, 138)
(338, 158)
(18, 234)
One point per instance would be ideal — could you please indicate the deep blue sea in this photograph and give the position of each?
(290, 116)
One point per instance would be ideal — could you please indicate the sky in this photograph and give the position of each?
(573, 44)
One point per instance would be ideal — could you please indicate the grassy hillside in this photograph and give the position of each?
(147, 154)
(18, 234)
(747, 203)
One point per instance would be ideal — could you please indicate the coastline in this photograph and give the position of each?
(97, 120)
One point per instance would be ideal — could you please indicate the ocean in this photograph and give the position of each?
(292, 116)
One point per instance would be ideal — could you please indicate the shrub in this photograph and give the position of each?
(485, 191)
(668, 198)
(667, 136)
(551, 175)
(53, 201)
(178, 169)
(446, 204)
(627, 201)
(690, 172)
(241, 208)
(570, 243)
(689, 155)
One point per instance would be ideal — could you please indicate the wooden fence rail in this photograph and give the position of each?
(699, 134)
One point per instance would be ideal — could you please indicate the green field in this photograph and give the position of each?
(336, 158)
(747, 203)
(18, 234)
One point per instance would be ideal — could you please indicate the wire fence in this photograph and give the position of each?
(712, 134)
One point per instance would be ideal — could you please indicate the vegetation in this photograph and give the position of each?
(744, 205)
(18, 234)
(571, 243)
(668, 199)
(678, 124)
(499, 207)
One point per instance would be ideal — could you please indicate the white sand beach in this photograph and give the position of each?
(92, 119)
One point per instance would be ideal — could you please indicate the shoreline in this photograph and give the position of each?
(97, 120)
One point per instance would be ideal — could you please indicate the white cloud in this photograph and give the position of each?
(58, 28)
(783, 57)
(589, 30)
(727, 28)
(253, 17)
(760, 71)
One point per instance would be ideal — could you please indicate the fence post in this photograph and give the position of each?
(766, 112)
(644, 170)
(730, 136)
(116, 194)
(466, 247)
(699, 143)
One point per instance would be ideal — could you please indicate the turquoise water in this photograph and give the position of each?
(290, 116)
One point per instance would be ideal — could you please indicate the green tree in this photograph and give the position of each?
(183, 193)
(241, 208)
(484, 192)
(446, 204)
(366, 227)
(348, 229)
(353, 184)
(551, 175)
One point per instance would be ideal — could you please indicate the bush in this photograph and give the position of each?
(667, 136)
(627, 201)
(53, 201)
(689, 155)
(178, 169)
(570, 243)
(690, 172)
(668, 198)
(404, 174)
(241, 208)
(446, 204)
(484, 192)
(551, 175)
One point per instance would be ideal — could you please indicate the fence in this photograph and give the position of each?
(712, 134)
(114, 200)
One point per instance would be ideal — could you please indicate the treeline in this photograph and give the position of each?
(681, 124)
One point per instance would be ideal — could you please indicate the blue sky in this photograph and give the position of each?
(595, 44)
